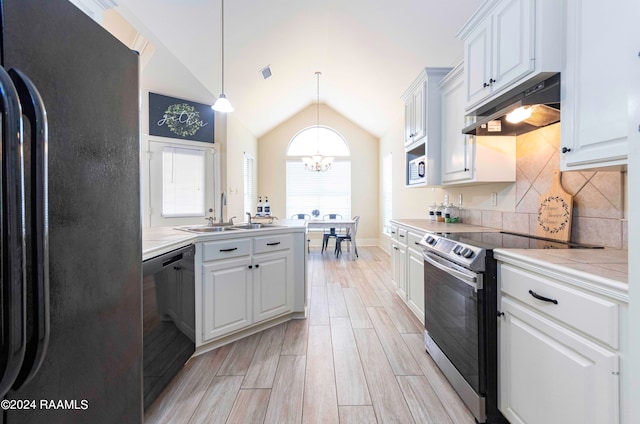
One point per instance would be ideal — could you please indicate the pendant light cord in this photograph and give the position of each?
(222, 26)
(318, 112)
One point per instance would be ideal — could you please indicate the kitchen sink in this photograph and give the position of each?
(207, 229)
(254, 226)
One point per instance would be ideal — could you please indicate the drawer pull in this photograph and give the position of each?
(229, 250)
(401, 235)
(546, 299)
(273, 244)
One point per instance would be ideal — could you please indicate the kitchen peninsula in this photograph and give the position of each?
(246, 280)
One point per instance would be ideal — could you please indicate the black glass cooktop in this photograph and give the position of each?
(512, 241)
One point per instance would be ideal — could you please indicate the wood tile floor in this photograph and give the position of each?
(358, 358)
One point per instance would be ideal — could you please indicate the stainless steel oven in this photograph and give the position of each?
(455, 324)
(461, 295)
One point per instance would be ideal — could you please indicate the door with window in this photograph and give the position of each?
(182, 183)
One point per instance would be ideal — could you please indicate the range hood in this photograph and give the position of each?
(542, 98)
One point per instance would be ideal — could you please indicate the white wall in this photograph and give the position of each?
(239, 141)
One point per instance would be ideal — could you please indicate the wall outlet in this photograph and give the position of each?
(494, 199)
(446, 199)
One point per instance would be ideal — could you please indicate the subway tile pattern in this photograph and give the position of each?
(598, 202)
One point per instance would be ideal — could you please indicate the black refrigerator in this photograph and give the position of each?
(71, 317)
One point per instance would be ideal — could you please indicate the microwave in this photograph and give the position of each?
(417, 170)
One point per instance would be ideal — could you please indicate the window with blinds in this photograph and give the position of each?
(249, 189)
(329, 192)
(183, 182)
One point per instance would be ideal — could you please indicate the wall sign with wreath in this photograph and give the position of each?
(177, 118)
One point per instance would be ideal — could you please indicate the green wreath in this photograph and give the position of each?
(182, 119)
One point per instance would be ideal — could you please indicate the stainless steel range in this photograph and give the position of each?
(461, 294)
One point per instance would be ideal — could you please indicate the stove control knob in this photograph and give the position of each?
(467, 253)
(430, 240)
(457, 249)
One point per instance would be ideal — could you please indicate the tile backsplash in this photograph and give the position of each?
(598, 202)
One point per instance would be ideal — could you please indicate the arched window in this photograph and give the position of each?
(323, 139)
(328, 192)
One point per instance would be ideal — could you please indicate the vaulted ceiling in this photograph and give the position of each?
(369, 51)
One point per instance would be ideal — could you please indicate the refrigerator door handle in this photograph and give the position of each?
(13, 287)
(38, 308)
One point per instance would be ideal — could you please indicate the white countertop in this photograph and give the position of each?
(159, 240)
(601, 270)
(443, 227)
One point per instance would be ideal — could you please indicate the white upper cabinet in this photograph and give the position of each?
(469, 159)
(414, 114)
(594, 103)
(508, 40)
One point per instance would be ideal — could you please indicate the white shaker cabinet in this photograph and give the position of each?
(470, 159)
(594, 104)
(415, 276)
(407, 268)
(246, 281)
(422, 124)
(272, 284)
(227, 296)
(558, 351)
(506, 40)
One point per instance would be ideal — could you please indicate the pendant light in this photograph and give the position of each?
(317, 163)
(222, 104)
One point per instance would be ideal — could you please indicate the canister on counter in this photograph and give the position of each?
(440, 213)
(451, 213)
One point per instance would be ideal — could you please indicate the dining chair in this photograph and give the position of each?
(303, 216)
(348, 237)
(329, 232)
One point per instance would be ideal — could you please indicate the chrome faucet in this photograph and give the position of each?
(210, 219)
(223, 202)
(231, 219)
(248, 217)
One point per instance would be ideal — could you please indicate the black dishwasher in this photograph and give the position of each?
(168, 318)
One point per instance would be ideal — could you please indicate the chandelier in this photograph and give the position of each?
(317, 162)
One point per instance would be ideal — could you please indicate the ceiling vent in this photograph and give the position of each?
(266, 72)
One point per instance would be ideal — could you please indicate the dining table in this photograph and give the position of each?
(348, 224)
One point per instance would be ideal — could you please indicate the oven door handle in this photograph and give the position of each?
(470, 279)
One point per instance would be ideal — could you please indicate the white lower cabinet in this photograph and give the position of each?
(272, 284)
(227, 296)
(407, 268)
(415, 282)
(246, 281)
(558, 358)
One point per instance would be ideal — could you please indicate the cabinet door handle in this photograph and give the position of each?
(401, 235)
(229, 250)
(177, 268)
(565, 149)
(250, 266)
(466, 169)
(485, 85)
(273, 244)
(257, 265)
(545, 299)
(491, 80)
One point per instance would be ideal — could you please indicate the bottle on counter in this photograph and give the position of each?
(259, 208)
(266, 208)
(440, 213)
(432, 212)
